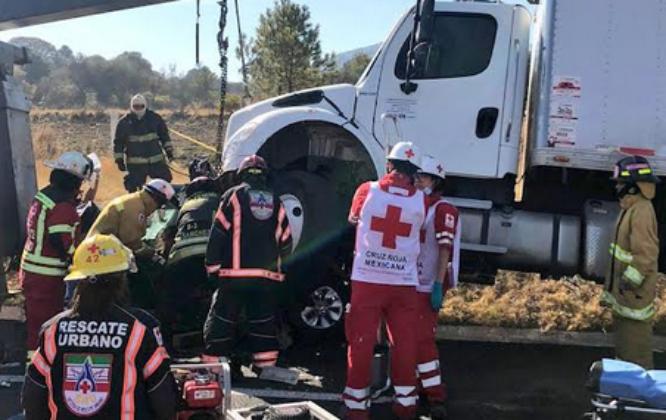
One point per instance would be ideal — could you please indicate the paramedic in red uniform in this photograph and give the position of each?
(52, 229)
(388, 215)
(438, 271)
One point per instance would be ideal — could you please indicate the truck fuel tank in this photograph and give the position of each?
(523, 239)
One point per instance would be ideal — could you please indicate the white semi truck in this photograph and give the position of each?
(527, 106)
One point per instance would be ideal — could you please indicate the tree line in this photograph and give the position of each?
(284, 55)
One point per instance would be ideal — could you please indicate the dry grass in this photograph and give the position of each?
(524, 300)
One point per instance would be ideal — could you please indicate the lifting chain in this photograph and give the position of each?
(223, 46)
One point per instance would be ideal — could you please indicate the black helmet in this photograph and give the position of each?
(633, 169)
(200, 167)
(253, 162)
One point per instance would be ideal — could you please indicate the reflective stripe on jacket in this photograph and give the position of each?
(141, 141)
(250, 236)
(100, 368)
(193, 227)
(632, 276)
(52, 230)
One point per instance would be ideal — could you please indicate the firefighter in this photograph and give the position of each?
(101, 358)
(388, 215)
(52, 228)
(632, 276)
(125, 217)
(185, 269)
(438, 271)
(140, 143)
(249, 241)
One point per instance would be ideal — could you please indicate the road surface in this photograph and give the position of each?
(486, 381)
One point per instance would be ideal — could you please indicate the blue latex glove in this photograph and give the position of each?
(436, 296)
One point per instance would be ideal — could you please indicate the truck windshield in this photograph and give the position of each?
(462, 46)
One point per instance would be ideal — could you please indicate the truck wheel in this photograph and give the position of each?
(315, 288)
(322, 309)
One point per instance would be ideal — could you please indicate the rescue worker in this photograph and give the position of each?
(249, 241)
(52, 228)
(632, 276)
(438, 271)
(125, 217)
(140, 143)
(101, 358)
(388, 215)
(186, 279)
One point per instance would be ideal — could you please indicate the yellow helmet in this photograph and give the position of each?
(98, 255)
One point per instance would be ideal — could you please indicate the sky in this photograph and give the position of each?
(164, 33)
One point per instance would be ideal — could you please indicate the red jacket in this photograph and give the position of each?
(52, 234)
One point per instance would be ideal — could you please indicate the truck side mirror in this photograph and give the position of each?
(426, 22)
(417, 56)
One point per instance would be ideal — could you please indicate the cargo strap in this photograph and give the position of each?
(643, 314)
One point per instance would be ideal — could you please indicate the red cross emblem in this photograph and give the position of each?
(85, 387)
(93, 249)
(390, 226)
(440, 169)
(409, 153)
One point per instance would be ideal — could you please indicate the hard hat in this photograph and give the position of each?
(633, 169)
(75, 163)
(431, 166)
(253, 162)
(406, 151)
(138, 105)
(160, 189)
(98, 255)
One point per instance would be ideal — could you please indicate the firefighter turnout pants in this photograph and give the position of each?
(44, 299)
(633, 341)
(256, 298)
(397, 305)
(427, 357)
(138, 173)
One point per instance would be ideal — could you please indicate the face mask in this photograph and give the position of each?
(427, 190)
(622, 190)
(139, 112)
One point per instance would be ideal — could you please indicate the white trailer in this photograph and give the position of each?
(548, 114)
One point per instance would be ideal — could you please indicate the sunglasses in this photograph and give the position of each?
(138, 106)
(255, 171)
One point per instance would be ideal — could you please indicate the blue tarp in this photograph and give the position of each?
(627, 380)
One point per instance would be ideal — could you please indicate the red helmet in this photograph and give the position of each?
(253, 162)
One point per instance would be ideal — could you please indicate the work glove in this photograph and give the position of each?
(169, 153)
(437, 296)
(158, 259)
(121, 164)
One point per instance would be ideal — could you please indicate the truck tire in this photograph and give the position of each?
(316, 296)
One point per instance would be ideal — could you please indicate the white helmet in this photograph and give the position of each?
(160, 189)
(75, 163)
(406, 151)
(431, 166)
(138, 105)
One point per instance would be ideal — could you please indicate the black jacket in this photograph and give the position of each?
(100, 368)
(250, 237)
(140, 141)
